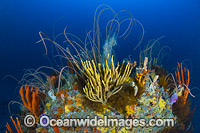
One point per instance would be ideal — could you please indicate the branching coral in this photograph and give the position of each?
(183, 80)
(140, 78)
(104, 81)
(32, 99)
(181, 108)
(17, 126)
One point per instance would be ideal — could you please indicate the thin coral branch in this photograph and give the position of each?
(32, 99)
(101, 79)
(17, 126)
(183, 80)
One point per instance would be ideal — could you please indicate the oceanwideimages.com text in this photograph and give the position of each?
(45, 121)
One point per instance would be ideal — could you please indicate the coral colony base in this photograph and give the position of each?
(93, 83)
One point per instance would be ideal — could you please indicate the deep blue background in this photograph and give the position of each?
(21, 20)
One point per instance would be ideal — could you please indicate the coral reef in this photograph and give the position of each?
(92, 85)
(141, 96)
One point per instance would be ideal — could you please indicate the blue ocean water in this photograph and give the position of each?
(20, 22)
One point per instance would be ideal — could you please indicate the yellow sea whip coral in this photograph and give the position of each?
(104, 81)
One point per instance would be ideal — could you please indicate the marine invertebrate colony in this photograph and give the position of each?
(94, 86)
(32, 102)
(101, 80)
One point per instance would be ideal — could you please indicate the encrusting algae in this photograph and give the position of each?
(93, 85)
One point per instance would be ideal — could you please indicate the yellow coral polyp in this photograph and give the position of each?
(67, 109)
(48, 105)
(161, 105)
(129, 111)
(103, 129)
(153, 100)
(123, 130)
(78, 102)
(139, 78)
